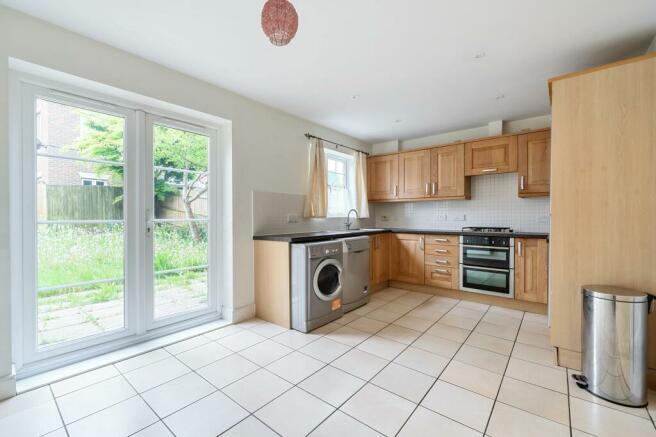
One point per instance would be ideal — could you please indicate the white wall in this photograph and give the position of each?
(473, 133)
(269, 151)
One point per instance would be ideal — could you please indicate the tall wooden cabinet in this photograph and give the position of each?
(407, 258)
(379, 259)
(534, 163)
(603, 187)
(447, 176)
(494, 155)
(383, 177)
(414, 174)
(531, 269)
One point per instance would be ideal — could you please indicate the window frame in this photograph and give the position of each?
(349, 177)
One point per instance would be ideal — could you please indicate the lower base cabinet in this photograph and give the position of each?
(407, 258)
(531, 269)
(379, 258)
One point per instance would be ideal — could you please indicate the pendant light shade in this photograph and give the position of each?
(279, 21)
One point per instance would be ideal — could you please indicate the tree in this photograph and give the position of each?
(179, 159)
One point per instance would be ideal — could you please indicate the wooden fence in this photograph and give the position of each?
(84, 202)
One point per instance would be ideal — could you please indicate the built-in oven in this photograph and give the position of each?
(487, 265)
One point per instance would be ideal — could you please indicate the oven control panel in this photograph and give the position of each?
(481, 240)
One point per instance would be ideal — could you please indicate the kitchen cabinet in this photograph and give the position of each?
(447, 175)
(379, 259)
(442, 261)
(531, 269)
(534, 163)
(491, 156)
(407, 258)
(414, 174)
(383, 177)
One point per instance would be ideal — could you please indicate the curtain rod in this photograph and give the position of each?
(308, 136)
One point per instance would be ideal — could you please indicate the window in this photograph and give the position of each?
(108, 257)
(340, 175)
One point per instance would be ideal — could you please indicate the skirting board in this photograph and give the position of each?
(236, 315)
(531, 307)
(8, 385)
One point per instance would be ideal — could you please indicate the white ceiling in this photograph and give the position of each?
(411, 60)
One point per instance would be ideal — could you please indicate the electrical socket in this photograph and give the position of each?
(385, 218)
(460, 217)
(292, 218)
(441, 217)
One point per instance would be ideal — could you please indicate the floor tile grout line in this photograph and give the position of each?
(61, 417)
(489, 418)
(81, 388)
(443, 369)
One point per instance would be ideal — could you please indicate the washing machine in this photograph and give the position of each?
(316, 284)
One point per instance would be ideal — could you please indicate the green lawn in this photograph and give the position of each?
(69, 254)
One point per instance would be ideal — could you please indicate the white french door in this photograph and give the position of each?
(178, 214)
(117, 224)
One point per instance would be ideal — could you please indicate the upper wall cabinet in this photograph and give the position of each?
(383, 177)
(494, 155)
(447, 177)
(534, 163)
(414, 174)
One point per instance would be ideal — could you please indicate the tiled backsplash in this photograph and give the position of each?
(494, 202)
(272, 211)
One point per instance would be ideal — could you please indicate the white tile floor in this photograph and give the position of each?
(407, 364)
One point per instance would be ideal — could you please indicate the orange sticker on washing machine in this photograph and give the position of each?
(336, 304)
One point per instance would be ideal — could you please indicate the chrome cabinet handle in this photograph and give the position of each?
(426, 191)
(521, 182)
(488, 170)
(396, 191)
(441, 251)
(441, 240)
(443, 271)
(442, 261)
(433, 188)
(519, 248)
(421, 243)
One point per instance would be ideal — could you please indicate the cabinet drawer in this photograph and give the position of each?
(442, 250)
(443, 277)
(443, 240)
(441, 261)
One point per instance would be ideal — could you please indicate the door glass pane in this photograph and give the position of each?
(181, 211)
(80, 230)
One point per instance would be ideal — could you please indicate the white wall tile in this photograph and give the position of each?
(494, 202)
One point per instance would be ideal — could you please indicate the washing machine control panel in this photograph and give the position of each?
(331, 251)
(325, 249)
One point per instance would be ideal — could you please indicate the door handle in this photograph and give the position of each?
(488, 170)
(421, 243)
(396, 191)
(433, 188)
(442, 271)
(521, 182)
(441, 261)
(426, 191)
(441, 251)
(441, 240)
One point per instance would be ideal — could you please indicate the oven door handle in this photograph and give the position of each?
(486, 247)
(464, 266)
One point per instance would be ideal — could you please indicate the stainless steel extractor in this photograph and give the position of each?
(614, 344)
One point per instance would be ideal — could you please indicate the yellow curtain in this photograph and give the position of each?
(316, 200)
(361, 201)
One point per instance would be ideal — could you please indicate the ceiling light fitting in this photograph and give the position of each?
(279, 21)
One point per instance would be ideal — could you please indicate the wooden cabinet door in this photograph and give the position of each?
(531, 269)
(414, 174)
(383, 177)
(448, 180)
(379, 250)
(496, 155)
(407, 258)
(534, 164)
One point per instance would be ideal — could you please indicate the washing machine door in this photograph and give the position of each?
(327, 281)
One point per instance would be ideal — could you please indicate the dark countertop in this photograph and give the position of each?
(306, 237)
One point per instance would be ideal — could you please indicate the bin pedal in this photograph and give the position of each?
(581, 381)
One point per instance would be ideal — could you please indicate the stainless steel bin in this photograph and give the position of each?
(614, 344)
